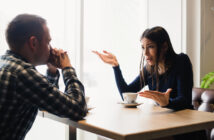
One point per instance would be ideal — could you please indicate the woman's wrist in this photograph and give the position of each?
(115, 64)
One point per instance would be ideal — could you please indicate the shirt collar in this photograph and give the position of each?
(16, 55)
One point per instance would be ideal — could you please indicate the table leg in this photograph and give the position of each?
(72, 133)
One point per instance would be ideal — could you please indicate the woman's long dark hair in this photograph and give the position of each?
(160, 37)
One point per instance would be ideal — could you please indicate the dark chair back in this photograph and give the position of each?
(203, 100)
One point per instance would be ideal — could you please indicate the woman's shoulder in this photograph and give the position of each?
(183, 62)
(182, 58)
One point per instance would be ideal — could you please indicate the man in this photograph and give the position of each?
(23, 90)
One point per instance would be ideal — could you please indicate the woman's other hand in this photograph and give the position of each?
(162, 98)
(107, 57)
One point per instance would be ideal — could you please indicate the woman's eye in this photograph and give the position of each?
(151, 47)
(142, 47)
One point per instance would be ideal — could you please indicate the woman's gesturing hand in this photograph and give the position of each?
(107, 57)
(162, 98)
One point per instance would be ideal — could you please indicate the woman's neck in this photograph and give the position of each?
(161, 68)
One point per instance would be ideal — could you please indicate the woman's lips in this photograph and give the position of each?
(148, 59)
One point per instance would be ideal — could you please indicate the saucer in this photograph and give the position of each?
(129, 104)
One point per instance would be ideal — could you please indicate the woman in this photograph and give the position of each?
(168, 75)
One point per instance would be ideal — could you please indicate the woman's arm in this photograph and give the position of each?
(122, 86)
(111, 59)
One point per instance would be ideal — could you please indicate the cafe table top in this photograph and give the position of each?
(115, 121)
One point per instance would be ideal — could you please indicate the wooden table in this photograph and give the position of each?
(114, 121)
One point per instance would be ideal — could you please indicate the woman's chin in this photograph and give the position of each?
(150, 63)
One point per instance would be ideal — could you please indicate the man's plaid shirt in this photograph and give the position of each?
(23, 90)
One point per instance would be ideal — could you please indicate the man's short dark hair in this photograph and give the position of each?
(22, 27)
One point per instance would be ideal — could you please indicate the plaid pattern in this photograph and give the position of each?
(23, 90)
(54, 79)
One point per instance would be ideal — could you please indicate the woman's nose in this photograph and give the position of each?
(145, 52)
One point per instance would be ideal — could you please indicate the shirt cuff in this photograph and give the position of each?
(53, 76)
(116, 67)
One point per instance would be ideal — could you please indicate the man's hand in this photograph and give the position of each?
(59, 58)
(64, 59)
(52, 69)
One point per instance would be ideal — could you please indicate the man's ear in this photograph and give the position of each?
(33, 42)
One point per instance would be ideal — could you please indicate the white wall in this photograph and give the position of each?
(168, 14)
(193, 36)
(200, 37)
(207, 38)
(115, 26)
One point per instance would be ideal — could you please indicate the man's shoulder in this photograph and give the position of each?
(12, 64)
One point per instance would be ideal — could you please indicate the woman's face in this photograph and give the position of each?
(149, 51)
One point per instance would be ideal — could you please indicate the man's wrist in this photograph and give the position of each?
(52, 71)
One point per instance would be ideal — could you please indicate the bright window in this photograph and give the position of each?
(115, 26)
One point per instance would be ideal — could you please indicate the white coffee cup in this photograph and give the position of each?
(130, 97)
